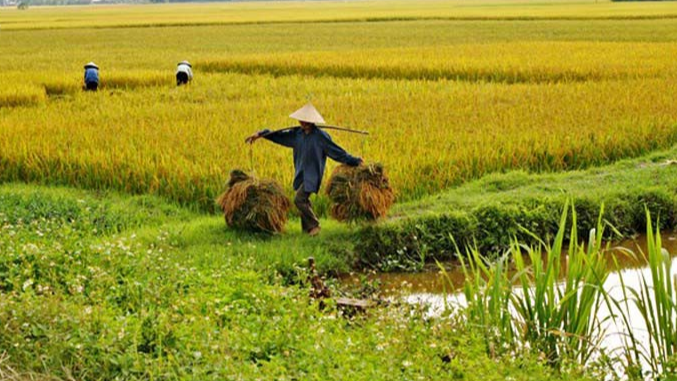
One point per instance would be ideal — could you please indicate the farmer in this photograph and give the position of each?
(91, 77)
(184, 73)
(311, 147)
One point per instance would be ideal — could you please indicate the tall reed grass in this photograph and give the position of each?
(554, 302)
(541, 298)
(652, 352)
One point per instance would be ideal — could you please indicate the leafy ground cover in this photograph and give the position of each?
(105, 287)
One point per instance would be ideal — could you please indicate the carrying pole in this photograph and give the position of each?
(345, 129)
(325, 127)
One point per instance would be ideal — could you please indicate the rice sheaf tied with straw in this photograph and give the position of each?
(360, 193)
(253, 204)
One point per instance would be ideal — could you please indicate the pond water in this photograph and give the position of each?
(431, 283)
(435, 290)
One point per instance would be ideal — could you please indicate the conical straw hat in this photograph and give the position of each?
(308, 113)
(92, 65)
(184, 63)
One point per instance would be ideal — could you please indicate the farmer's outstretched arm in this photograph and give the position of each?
(339, 154)
(282, 137)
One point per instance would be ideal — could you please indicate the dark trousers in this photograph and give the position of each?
(181, 78)
(91, 86)
(302, 202)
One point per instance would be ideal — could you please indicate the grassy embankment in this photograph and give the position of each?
(488, 213)
(99, 286)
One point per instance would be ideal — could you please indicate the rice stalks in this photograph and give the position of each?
(254, 205)
(360, 193)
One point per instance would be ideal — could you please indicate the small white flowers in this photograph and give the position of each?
(28, 283)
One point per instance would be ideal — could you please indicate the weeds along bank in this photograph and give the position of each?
(104, 287)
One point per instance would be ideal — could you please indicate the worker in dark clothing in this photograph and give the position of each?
(91, 77)
(311, 147)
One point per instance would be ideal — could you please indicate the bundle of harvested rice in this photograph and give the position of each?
(255, 205)
(360, 193)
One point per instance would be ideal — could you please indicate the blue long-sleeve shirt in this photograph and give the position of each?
(91, 75)
(310, 154)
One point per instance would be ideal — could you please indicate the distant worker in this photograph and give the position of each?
(184, 73)
(91, 76)
(311, 147)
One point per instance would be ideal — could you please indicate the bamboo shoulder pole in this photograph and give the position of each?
(337, 128)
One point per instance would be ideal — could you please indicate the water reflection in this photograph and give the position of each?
(431, 281)
(437, 291)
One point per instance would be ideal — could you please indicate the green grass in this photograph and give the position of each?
(120, 286)
(162, 293)
(490, 212)
(91, 212)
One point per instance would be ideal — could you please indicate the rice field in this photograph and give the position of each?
(105, 16)
(446, 95)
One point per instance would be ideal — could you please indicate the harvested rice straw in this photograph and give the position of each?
(254, 205)
(360, 193)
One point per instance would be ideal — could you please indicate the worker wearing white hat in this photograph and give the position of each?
(311, 147)
(91, 76)
(184, 73)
